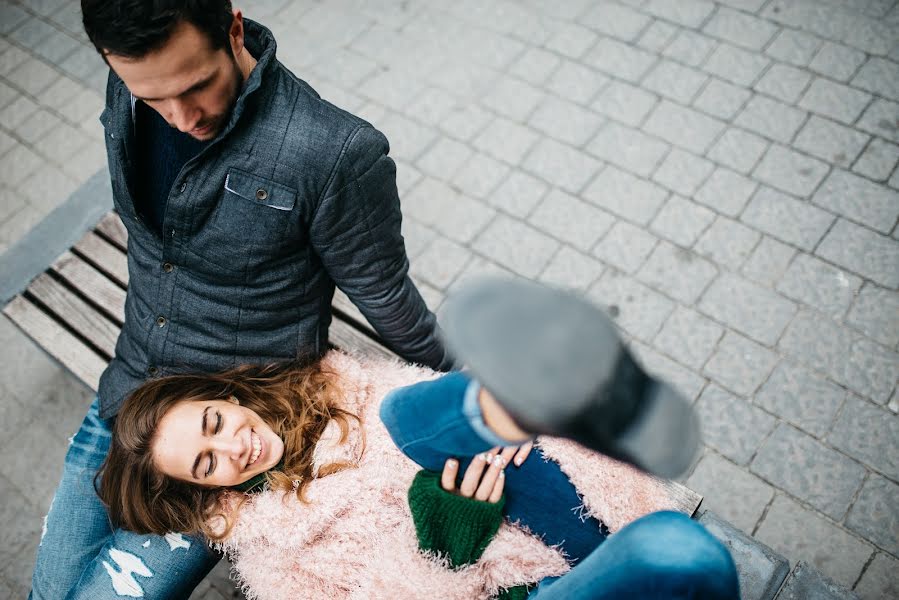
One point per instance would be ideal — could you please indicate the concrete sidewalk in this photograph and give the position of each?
(721, 175)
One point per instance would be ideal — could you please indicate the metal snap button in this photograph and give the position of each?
(261, 194)
(160, 321)
(168, 267)
(152, 370)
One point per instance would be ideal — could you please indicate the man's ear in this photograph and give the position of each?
(236, 33)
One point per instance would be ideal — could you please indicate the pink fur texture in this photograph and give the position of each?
(355, 539)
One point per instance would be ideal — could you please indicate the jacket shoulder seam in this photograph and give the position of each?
(340, 158)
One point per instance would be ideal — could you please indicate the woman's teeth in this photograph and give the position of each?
(257, 448)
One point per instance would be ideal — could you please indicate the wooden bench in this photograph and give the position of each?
(75, 309)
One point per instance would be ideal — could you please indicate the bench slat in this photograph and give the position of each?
(112, 227)
(78, 314)
(110, 260)
(343, 304)
(346, 337)
(92, 284)
(75, 355)
(687, 500)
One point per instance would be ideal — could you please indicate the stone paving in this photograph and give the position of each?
(721, 175)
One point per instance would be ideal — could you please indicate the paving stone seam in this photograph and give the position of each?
(588, 283)
(872, 139)
(35, 100)
(773, 348)
(824, 439)
(588, 106)
(32, 148)
(833, 224)
(696, 29)
(840, 409)
(713, 78)
(865, 568)
(711, 75)
(873, 547)
(840, 319)
(805, 503)
(49, 63)
(799, 96)
(488, 109)
(767, 507)
(47, 18)
(610, 121)
(749, 399)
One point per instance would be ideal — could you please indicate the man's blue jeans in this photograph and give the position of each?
(662, 555)
(81, 556)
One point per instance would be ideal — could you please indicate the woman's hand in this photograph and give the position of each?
(483, 479)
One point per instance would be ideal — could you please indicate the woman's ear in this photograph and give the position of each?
(233, 400)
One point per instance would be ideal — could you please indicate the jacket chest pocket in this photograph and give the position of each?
(255, 212)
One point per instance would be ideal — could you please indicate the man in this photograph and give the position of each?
(246, 198)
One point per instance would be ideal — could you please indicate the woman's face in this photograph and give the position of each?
(215, 443)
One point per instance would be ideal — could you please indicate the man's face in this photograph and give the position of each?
(191, 85)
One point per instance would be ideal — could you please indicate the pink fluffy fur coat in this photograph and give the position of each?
(356, 539)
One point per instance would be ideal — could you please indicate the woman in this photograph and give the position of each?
(181, 444)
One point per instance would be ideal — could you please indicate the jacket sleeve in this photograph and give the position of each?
(355, 230)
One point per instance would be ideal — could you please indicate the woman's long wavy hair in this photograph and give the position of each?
(297, 401)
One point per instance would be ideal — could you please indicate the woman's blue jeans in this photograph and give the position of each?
(662, 555)
(81, 556)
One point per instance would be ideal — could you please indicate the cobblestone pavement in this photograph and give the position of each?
(722, 175)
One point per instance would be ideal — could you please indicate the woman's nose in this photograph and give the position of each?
(233, 447)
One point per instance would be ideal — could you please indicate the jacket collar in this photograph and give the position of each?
(260, 42)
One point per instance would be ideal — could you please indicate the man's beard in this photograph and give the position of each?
(219, 121)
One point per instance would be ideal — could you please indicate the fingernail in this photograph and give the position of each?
(499, 461)
(482, 456)
(489, 458)
(518, 462)
(502, 474)
(452, 462)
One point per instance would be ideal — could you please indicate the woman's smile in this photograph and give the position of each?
(257, 447)
(216, 443)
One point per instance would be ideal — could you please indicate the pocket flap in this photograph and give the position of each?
(260, 190)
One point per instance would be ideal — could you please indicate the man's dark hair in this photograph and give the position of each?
(134, 28)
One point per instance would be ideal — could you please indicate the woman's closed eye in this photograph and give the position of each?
(215, 431)
(210, 467)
